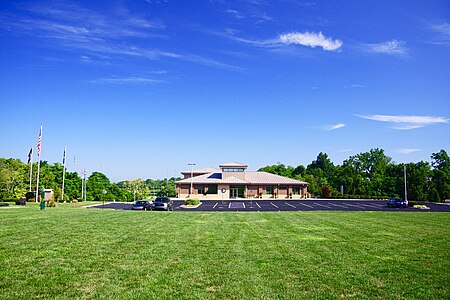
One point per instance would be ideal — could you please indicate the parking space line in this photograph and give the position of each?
(274, 205)
(321, 205)
(290, 205)
(338, 205)
(243, 204)
(229, 205)
(305, 205)
(215, 205)
(371, 206)
(258, 205)
(358, 206)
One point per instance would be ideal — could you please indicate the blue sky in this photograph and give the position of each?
(142, 88)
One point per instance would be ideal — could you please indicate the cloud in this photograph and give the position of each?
(334, 127)
(392, 47)
(307, 39)
(126, 80)
(76, 29)
(406, 122)
(407, 127)
(235, 14)
(354, 86)
(310, 39)
(442, 31)
(407, 150)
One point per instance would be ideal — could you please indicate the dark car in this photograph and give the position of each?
(164, 203)
(397, 202)
(141, 205)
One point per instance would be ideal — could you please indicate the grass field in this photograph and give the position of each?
(71, 252)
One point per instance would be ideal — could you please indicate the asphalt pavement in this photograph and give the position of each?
(287, 205)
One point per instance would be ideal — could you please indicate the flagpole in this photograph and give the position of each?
(30, 160)
(39, 162)
(64, 173)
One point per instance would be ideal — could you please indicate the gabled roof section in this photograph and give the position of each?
(268, 178)
(233, 165)
(201, 171)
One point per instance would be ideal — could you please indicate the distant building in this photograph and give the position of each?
(48, 194)
(232, 180)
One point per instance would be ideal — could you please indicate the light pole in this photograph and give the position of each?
(192, 174)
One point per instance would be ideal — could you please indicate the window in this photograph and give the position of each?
(207, 189)
(296, 190)
(200, 190)
(233, 169)
(212, 189)
(269, 190)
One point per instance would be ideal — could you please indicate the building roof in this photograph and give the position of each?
(250, 178)
(200, 171)
(233, 165)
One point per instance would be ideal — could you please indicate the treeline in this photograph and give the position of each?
(15, 183)
(373, 175)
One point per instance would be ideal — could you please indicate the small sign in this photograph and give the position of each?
(223, 191)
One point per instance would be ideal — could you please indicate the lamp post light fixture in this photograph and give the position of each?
(192, 175)
(104, 193)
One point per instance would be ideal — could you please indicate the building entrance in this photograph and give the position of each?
(236, 192)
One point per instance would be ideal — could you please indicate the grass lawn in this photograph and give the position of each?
(71, 252)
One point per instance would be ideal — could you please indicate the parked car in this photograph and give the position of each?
(164, 203)
(141, 205)
(397, 202)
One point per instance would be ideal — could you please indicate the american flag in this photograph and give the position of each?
(39, 143)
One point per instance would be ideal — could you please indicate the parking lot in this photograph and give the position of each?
(287, 205)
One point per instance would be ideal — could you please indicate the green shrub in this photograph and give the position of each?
(192, 201)
(51, 203)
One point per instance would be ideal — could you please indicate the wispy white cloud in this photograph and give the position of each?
(442, 33)
(93, 35)
(354, 86)
(406, 122)
(306, 39)
(126, 80)
(334, 126)
(407, 127)
(310, 39)
(393, 47)
(407, 150)
(235, 14)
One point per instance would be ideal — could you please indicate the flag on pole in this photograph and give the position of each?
(39, 143)
(39, 163)
(30, 155)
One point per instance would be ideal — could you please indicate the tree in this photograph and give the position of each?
(324, 163)
(418, 180)
(434, 196)
(96, 186)
(367, 172)
(441, 173)
(14, 181)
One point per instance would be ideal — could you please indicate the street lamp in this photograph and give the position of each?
(104, 193)
(192, 175)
